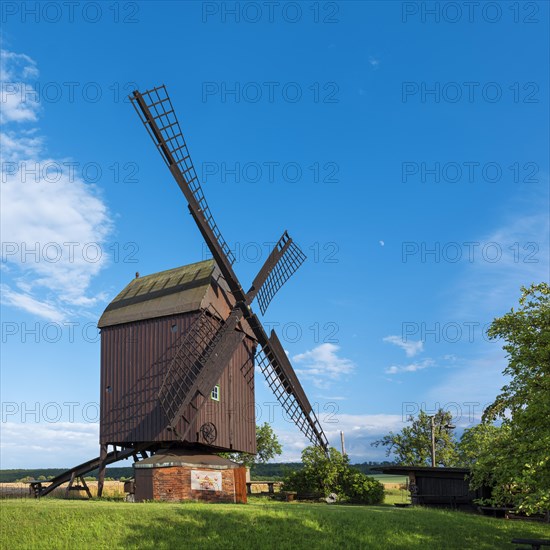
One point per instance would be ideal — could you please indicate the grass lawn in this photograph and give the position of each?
(52, 523)
(386, 478)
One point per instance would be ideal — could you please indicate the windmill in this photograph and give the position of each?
(169, 338)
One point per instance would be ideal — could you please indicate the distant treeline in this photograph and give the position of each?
(258, 472)
(279, 470)
(10, 476)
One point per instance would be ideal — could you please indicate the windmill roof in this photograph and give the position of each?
(166, 458)
(179, 290)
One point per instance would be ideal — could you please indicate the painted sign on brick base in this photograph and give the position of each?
(206, 480)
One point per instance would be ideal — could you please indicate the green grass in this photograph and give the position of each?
(393, 496)
(385, 478)
(260, 524)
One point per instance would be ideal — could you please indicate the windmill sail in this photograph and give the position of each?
(208, 348)
(283, 381)
(285, 258)
(155, 110)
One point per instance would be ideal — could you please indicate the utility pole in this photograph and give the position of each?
(432, 418)
(342, 442)
(447, 427)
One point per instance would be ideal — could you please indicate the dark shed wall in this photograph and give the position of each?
(446, 490)
(134, 358)
(442, 486)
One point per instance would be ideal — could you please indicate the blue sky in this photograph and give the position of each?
(405, 151)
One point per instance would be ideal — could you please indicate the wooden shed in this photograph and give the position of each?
(141, 331)
(442, 487)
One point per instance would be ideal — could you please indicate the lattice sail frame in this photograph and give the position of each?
(185, 367)
(286, 266)
(309, 425)
(159, 104)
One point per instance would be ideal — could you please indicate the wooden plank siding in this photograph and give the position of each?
(134, 359)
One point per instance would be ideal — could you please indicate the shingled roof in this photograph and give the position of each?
(174, 291)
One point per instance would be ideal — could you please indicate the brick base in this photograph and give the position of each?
(173, 483)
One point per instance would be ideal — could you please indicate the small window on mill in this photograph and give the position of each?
(215, 395)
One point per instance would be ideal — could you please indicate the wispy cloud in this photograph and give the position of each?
(410, 347)
(14, 70)
(31, 305)
(48, 445)
(521, 247)
(43, 218)
(360, 430)
(322, 365)
(374, 62)
(475, 381)
(332, 397)
(412, 367)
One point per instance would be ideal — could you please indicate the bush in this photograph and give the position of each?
(362, 489)
(322, 475)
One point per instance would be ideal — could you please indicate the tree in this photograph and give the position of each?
(267, 447)
(323, 474)
(517, 466)
(412, 446)
(477, 441)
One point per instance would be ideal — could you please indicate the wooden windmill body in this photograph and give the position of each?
(141, 332)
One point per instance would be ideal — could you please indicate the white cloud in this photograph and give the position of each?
(53, 227)
(360, 430)
(332, 398)
(322, 365)
(27, 303)
(43, 445)
(17, 104)
(410, 347)
(412, 367)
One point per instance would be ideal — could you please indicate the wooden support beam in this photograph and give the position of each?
(102, 465)
(70, 485)
(85, 486)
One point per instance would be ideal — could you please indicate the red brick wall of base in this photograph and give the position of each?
(173, 483)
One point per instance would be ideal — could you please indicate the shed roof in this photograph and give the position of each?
(438, 471)
(179, 457)
(174, 291)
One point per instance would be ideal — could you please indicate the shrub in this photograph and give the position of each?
(362, 489)
(322, 475)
